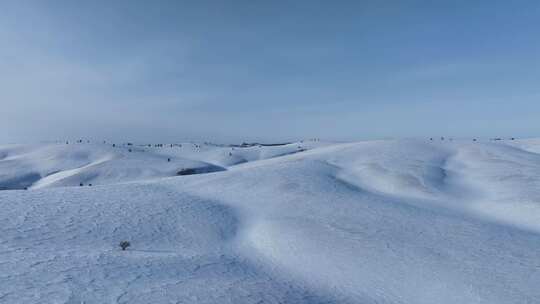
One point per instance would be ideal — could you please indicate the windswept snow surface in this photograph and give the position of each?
(404, 221)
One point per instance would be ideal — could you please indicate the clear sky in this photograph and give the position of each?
(268, 70)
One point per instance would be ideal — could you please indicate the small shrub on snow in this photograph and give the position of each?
(124, 245)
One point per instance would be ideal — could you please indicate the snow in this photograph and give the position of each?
(54, 165)
(395, 221)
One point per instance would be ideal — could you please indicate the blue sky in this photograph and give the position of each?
(268, 70)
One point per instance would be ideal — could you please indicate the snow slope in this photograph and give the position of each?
(370, 222)
(54, 165)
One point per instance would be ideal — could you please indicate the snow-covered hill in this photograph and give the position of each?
(73, 164)
(405, 221)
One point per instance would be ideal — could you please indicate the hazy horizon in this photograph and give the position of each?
(267, 71)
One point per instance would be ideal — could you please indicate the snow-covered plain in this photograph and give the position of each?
(397, 221)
